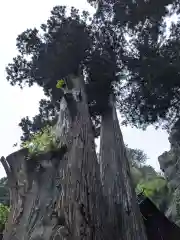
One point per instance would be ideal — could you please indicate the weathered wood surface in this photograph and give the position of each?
(35, 197)
(123, 212)
(60, 195)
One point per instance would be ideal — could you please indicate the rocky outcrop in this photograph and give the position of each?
(170, 165)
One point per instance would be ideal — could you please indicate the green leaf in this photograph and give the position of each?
(60, 83)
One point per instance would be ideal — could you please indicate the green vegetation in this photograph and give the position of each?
(146, 179)
(4, 202)
(41, 142)
(4, 211)
(60, 83)
(152, 187)
(4, 191)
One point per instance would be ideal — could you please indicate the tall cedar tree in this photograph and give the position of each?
(123, 50)
(118, 54)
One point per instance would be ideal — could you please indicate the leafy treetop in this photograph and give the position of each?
(122, 52)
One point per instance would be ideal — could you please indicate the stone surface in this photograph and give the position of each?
(170, 165)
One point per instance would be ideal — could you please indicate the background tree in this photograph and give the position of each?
(136, 156)
(148, 96)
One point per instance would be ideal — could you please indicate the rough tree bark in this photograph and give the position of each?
(58, 195)
(123, 213)
(36, 185)
(83, 198)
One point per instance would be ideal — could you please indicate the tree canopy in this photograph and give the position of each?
(122, 50)
(136, 156)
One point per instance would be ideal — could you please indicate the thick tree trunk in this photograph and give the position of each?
(84, 190)
(123, 212)
(58, 195)
(36, 186)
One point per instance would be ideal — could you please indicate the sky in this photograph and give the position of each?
(15, 17)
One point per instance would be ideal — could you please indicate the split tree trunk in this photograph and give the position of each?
(123, 212)
(84, 199)
(59, 196)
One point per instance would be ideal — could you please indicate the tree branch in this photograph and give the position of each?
(7, 169)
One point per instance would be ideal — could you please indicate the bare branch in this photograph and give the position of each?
(6, 168)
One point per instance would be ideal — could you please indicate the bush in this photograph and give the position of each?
(43, 141)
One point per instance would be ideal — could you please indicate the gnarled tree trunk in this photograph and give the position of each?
(36, 186)
(123, 212)
(83, 197)
(59, 194)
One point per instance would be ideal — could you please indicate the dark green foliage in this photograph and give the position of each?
(136, 156)
(4, 211)
(4, 192)
(148, 171)
(154, 91)
(47, 116)
(157, 190)
(4, 202)
(41, 142)
(64, 45)
(150, 94)
(49, 51)
(122, 52)
(132, 12)
(154, 186)
(146, 179)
